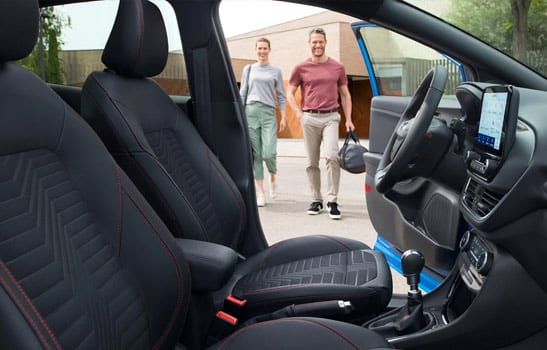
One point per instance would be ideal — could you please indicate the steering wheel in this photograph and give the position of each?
(407, 136)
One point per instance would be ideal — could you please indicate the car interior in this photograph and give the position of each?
(158, 147)
(127, 216)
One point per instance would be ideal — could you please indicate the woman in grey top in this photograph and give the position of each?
(262, 89)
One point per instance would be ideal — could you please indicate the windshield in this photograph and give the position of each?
(515, 27)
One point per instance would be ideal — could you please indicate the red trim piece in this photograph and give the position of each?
(227, 318)
(236, 301)
(368, 188)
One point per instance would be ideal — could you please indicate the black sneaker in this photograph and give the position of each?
(315, 208)
(334, 213)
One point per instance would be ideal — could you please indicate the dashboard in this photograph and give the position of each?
(504, 200)
(504, 205)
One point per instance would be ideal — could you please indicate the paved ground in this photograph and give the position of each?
(286, 217)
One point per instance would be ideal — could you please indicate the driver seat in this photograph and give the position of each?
(158, 146)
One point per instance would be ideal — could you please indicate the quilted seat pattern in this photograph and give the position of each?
(156, 145)
(175, 159)
(353, 268)
(37, 202)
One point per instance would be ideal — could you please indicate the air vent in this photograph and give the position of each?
(479, 199)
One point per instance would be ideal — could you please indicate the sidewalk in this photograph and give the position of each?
(286, 216)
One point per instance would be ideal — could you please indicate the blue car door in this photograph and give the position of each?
(421, 212)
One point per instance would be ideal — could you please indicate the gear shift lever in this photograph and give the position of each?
(409, 318)
(412, 318)
(413, 262)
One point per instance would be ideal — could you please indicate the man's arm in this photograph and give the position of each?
(345, 98)
(291, 90)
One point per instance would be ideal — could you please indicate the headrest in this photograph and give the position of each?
(137, 46)
(18, 28)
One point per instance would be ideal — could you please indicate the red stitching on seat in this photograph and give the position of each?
(33, 308)
(240, 204)
(119, 221)
(337, 241)
(115, 104)
(178, 272)
(159, 196)
(271, 248)
(267, 255)
(140, 9)
(230, 339)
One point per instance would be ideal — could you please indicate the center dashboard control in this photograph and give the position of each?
(465, 241)
(484, 263)
(482, 165)
(476, 260)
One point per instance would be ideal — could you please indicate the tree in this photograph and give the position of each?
(516, 27)
(519, 11)
(44, 59)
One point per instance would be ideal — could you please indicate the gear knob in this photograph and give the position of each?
(412, 262)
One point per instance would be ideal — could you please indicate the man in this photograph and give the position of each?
(321, 79)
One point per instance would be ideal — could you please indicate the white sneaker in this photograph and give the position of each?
(260, 202)
(273, 189)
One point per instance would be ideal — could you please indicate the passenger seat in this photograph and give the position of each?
(161, 150)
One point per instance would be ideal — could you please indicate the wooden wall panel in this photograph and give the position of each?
(361, 95)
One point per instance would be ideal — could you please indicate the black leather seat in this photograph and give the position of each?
(85, 262)
(161, 150)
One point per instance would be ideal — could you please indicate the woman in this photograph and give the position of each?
(261, 87)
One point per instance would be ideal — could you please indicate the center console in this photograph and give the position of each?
(474, 264)
(421, 321)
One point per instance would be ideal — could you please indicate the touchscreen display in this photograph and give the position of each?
(494, 106)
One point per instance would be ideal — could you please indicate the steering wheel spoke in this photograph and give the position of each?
(415, 120)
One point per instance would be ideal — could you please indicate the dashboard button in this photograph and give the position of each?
(484, 263)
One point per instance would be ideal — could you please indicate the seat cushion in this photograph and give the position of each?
(303, 333)
(314, 268)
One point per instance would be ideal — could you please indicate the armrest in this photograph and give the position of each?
(211, 264)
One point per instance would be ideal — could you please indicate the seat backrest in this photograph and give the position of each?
(152, 139)
(84, 260)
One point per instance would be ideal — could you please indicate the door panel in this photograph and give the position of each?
(387, 111)
(418, 213)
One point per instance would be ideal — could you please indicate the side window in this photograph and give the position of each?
(72, 37)
(399, 64)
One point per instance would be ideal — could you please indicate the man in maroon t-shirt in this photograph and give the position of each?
(321, 79)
